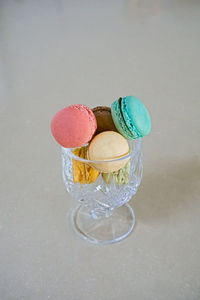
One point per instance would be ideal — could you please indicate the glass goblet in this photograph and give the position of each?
(103, 215)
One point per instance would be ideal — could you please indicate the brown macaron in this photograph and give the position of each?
(104, 119)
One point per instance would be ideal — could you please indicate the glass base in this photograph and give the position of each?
(103, 230)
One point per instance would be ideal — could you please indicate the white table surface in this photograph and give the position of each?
(54, 53)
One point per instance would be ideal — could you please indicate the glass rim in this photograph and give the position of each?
(124, 157)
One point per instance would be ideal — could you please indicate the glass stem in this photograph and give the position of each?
(101, 212)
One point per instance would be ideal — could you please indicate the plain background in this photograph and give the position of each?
(54, 53)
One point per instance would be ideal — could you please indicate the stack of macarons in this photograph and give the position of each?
(105, 130)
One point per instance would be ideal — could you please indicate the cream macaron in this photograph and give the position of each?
(107, 146)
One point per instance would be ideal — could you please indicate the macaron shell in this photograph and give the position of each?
(120, 177)
(136, 116)
(104, 119)
(73, 126)
(83, 173)
(119, 120)
(108, 145)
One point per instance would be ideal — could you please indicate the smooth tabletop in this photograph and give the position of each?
(54, 53)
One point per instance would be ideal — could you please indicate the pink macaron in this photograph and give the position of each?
(73, 126)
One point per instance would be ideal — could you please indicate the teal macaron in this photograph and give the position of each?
(131, 117)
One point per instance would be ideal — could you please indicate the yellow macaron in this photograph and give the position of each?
(83, 173)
